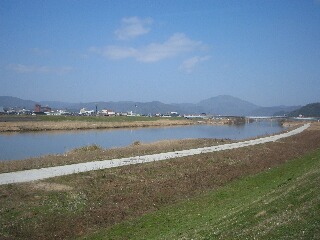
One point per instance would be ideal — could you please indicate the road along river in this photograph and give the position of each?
(43, 173)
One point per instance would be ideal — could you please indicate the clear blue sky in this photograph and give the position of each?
(265, 52)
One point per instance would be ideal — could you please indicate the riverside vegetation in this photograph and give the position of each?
(45, 123)
(10, 123)
(268, 191)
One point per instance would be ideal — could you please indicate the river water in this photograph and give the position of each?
(18, 146)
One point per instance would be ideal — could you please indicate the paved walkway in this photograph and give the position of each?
(38, 174)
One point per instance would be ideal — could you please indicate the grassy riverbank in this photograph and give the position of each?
(281, 203)
(95, 153)
(9, 123)
(264, 191)
(49, 123)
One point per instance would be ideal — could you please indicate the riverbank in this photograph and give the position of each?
(77, 125)
(98, 200)
(24, 126)
(50, 123)
(96, 153)
(39, 174)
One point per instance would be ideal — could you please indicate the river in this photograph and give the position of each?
(18, 146)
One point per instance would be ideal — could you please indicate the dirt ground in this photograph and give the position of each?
(113, 195)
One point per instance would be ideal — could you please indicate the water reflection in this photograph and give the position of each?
(23, 145)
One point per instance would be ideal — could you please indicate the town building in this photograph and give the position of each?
(39, 109)
(107, 112)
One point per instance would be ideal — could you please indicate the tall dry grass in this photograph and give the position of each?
(94, 152)
(81, 125)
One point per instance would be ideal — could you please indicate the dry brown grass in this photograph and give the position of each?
(50, 186)
(18, 126)
(93, 153)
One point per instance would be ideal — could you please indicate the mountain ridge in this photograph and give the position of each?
(218, 105)
(309, 110)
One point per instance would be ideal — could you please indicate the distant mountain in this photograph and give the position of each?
(188, 108)
(273, 111)
(227, 105)
(7, 101)
(220, 105)
(310, 110)
(57, 104)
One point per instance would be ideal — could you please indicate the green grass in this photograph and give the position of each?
(281, 203)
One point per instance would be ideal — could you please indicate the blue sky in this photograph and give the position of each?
(265, 52)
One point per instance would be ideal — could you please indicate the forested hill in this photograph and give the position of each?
(310, 110)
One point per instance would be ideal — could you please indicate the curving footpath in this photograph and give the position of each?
(43, 173)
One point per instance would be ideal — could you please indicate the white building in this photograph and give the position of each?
(107, 112)
(83, 111)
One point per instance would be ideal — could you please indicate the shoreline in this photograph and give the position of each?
(30, 124)
(83, 125)
(43, 173)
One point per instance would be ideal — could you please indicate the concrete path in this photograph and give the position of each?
(38, 174)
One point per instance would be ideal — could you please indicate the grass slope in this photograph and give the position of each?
(281, 203)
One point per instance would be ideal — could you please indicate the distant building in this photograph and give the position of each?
(174, 114)
(107, 112)
(11, 111)
(24, 112)
(122, 114)
(85, 112)
(39, 109)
